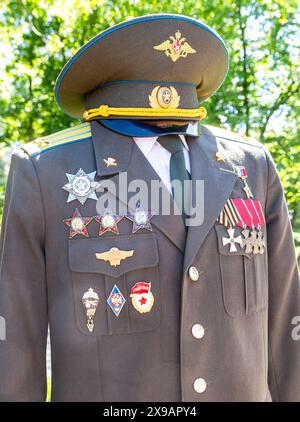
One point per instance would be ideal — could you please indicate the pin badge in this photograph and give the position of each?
(175, 47)
(108, 221)
(110, 161)
(231, 240)
(78, 224)
(141, 219)
(141, 296)
(81, 186)
(90, 301)
(114, 256)
(220, 156)
(116, 300)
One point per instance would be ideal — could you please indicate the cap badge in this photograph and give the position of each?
(141, 297)
(116, 300)
(164, 97)
(81, 186)
(90, 301)
(110, 161)
(175, 47)
(78, 224)
(114, 256)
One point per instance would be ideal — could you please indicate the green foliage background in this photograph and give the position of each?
(260, 97)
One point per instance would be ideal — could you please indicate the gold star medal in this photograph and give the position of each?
(241, 171)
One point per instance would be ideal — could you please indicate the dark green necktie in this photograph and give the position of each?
(178, 171)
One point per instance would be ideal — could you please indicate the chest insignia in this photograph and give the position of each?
(81, 186)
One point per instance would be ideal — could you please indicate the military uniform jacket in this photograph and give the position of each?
(245, 303)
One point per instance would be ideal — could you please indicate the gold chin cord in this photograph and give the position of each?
(106, 111)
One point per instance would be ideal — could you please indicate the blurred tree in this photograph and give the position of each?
(259, 98)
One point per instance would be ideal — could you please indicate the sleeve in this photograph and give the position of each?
(23, 299)
(284, 295)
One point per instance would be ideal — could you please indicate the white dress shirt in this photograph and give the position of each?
(159, 157)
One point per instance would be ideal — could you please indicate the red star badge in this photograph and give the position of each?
(78, 224)
(108, 222)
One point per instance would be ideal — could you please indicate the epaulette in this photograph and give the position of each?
(66, 136)
(231, 136)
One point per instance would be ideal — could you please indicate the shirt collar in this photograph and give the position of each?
(146, 143)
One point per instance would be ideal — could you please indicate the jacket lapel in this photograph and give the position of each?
(218, 181)
(133, 166)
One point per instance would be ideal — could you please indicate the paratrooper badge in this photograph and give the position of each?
(114, 256)
(81, 186)
(90, 301)
(175, 47)
(116, 300)
(141, 296)
(78, 224)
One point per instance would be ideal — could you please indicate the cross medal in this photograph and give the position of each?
(232, 240)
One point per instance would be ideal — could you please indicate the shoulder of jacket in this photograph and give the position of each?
(227, 135)
(66, 136)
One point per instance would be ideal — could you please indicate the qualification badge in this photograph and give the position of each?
(108, 221)
(141, 296)
(114, 256)
(116, 300)
(81, 186)
(78, 224)
(90, 301)
(141, 218)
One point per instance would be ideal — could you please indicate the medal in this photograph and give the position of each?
(231, 240)
(81, 186)
(90, 301)
(241, 171)
(141, 219)
(142, 298)
(78, 224)
(116, 300)
(108, 222)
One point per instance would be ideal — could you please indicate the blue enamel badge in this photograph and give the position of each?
(116, 300)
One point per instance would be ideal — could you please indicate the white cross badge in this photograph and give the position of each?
(232, 240)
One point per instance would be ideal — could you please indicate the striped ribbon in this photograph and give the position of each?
(229, 216)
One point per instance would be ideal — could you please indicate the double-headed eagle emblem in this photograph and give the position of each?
(175, 47)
